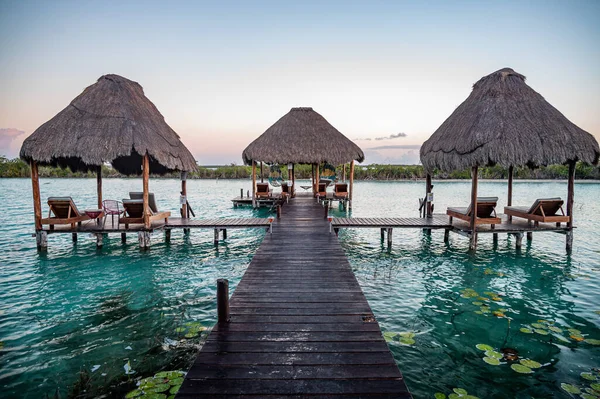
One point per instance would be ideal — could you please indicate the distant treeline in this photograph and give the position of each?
(17, 168)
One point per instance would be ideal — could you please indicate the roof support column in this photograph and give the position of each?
(351, 184)
(316, 178)
(253, 184)
(262, 180)
(312, 176)
(510, 184)
(184, 207)
(145, 177)
(99, 185)
(570, 201)
(473, 224)
(344, 173)
(293, 193)
(37, 202)
(428, 188)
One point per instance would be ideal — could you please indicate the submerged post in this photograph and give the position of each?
(351, 184)
(570, 201)
(37, 202)
(473, 223)
(222, 300)
(510, 184)
(145, 177)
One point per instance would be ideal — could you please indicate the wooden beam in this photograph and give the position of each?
(145, 177)
(351, 184)
(510, 187)
(427, 191)
(261, 172)
(37, 202)
(317, 178)
(571, 194)
(254, 184)
(312, 171)
(99, 185)
(292, 194)
(184, 207)
(473, 225)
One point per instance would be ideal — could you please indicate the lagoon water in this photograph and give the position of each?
(73, 317)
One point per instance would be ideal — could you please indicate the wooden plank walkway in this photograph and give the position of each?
(435, 222)
(300, 324)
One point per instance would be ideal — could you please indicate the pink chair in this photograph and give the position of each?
(112, 208)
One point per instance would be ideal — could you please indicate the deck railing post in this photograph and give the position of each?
(222, 300)
(241, 193)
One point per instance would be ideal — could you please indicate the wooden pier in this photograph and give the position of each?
(298, 324)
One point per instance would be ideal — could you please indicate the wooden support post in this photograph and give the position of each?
(351, 184)
(224, 234)
(570, 201)
(382, 234)
(216, 237)
(99, 185)
(473, 225)
(278, 211)
(293, 193)
(145, 177)
(326, 207)
(446, 235)
(123, 238)
(37, 202)
(253, 184)
(144, 239)
(222, 300)
(74, 237)
(336, 231)
(529, 236)
(167, 235)
(317, 178)
(99, 240)
(428, 188)
(519, 237)
(569, 240)
(389, 238)
(510, 188)
(241, 193)
(312, 175)
(261, 172)
(41, 238)
(184, 207)
(344, 173)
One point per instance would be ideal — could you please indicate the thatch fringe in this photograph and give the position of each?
(111, 121)
(506, 122)
(302, 136)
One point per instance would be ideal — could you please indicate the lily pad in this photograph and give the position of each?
(492, 361)
(537, 325)
(154, 395)
(453, 396)
(406, 341)
(161, 388)
(439, 395)
(577, 338)
(477, 303)
(478, 312)
(175, 389)
(407, 334)
(588, 376)
(180, 329)
(532, 364)
(495, 354)
(595, 387)
(191, 335)
(485, 309)
(555, 329)
(175, 374)
(484, 347)
(588, 396)
(574, 331)
(541, 331)
(1, 344)
(176, 381)
(570, 388)
(389, 336)
(519, 368)
(592, 341)
(498, 313)
(561, 338)
(526, 330)
(592, 392)
(597, 311)
(134, 394)
(460, 391)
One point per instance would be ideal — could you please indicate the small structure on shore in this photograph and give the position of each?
(505, 122)
(302, 136)
(111, 121)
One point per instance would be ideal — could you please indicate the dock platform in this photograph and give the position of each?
(299, 324)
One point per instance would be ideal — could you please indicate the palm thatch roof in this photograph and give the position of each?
(111, 121)
(302, 136)
(506, 122)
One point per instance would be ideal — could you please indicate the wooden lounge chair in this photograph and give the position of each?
(543, 210)
(262, 190)
(64, 211)
(486, 212)
(340, 190)
(134, 213)
(151, 200)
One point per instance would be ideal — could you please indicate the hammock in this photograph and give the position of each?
(327, 174)
(275, 178)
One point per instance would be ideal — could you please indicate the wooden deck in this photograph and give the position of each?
(299, 324)
(435, 222)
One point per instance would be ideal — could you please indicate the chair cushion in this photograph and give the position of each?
(151, 200)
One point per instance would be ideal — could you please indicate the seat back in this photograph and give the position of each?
(112, 207)
(262, 188)
(134, 207)
(486, 206)
(322, 188)
(151, 200)
(549, 205)
(60, 207)
(285, 188)
(341, 188)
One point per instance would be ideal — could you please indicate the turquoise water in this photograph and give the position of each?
(74, 308)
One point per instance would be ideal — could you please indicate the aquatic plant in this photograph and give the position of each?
(457, 393)
(159, 386)
(405, 338)
(493, 357)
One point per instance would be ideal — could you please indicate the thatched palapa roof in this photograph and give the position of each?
(506, 122)
(302, 136)
(111, 121)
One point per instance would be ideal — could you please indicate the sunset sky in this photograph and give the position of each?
(221, 73)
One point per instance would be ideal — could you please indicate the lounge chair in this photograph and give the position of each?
(151, 200)
(134, 212)
(322, 191)
(340, 190)
(486, 207)
(285, 192)
(262, 190)
(64, 211)
(543, 210)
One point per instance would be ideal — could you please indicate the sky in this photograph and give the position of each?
(384, 73)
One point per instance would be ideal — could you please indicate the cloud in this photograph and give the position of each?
(390, 137)
(397, 147)
(7, 141)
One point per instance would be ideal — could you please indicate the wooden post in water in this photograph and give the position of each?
(389, 238)
(222, 300)
(184, 207)
(428, 188)
(216, 238)
(473, 224)
(253, 184)
(510, 186)
(351, 185)
(570, 201)
(99, 185)
(37, 202)
(145, 177)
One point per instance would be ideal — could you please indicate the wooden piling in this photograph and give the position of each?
(222, 300)
(74, 237)
(216, 237)
(123, 238)
(473, 225)
(37, 202)
(99, 185)
(446, 235)
(510, 189)
(167, 235)
(145, 177)
(350, 193)
(389, 238)
(570, 201)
